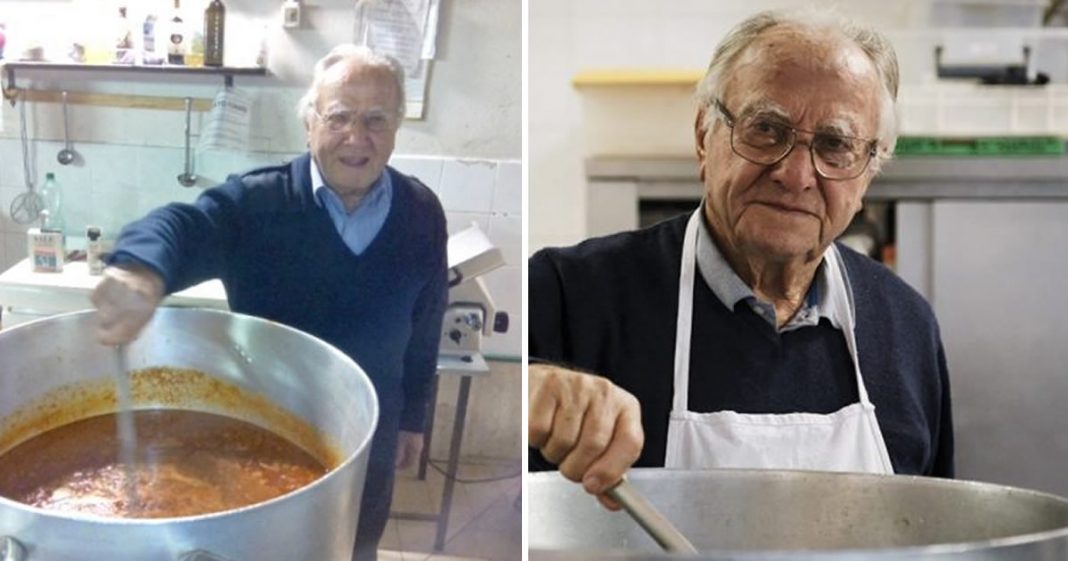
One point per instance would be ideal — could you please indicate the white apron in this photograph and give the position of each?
(847, 440)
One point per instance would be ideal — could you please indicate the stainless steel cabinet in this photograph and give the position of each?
(996, 273)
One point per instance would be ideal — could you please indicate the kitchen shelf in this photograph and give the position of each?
(227, 72)
(11, 92)
(637, 77)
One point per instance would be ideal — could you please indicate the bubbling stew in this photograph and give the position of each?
(186, 463)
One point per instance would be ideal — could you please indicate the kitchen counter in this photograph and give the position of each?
(26, 295)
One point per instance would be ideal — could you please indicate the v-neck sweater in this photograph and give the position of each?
(608, 306)
(280, 257)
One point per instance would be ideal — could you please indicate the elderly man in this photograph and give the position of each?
(335, 243)
(742, 335)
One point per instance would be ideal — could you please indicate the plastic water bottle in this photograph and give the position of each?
(53, 203)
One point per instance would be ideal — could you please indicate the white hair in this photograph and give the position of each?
(351, 52)
(818, 23)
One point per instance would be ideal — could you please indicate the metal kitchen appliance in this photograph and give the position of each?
(471, 313)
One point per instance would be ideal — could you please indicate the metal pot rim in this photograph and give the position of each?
(640, 474)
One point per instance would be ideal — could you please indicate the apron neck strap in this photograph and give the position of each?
(684, 316)
(843, 314)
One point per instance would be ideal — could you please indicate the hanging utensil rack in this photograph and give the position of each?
(11, 91)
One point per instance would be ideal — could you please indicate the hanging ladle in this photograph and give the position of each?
(66, 155)
(645, 514)
(188, 178)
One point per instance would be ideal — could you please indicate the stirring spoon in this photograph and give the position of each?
(127, 431)
(645, 514)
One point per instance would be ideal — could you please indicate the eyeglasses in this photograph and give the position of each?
(763, 140)
(372, 120)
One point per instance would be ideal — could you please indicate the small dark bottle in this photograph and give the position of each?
(214, 33)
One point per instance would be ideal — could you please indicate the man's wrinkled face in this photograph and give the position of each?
(786, 211)
(352, 132)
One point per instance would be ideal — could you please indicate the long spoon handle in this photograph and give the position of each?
(646, 515)
(127, 430)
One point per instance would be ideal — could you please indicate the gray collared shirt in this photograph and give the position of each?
(730, 289)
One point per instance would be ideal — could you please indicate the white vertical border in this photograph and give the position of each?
(525, 352)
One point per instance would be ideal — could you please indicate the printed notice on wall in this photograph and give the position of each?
(407, 31)
(227, 126)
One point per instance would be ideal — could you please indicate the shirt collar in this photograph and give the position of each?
(379, 189)
(731, 289)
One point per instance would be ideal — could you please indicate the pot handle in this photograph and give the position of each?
(196, 555)
(11, 549)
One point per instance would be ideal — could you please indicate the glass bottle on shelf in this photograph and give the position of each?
(177, 36)
(214, 33)
(195, 55)
(153, 36)
(124, 51)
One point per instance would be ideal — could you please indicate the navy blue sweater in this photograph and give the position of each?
(608, 306)
(281, 258)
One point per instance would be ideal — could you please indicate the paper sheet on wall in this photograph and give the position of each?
(227, 127)
(407, 31)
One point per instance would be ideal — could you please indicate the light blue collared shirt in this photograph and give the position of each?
(358, 228)
(731, 289)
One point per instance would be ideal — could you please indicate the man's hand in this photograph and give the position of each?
(409, 446)
(586, 425)
(125, 300)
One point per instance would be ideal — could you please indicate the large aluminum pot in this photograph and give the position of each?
(300, 373)
(749, 515)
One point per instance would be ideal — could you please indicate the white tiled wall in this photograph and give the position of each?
(467, 185)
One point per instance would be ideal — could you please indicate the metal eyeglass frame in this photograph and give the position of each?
(392, 123)
(730, 121)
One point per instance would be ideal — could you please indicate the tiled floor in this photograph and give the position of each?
(485, 522)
